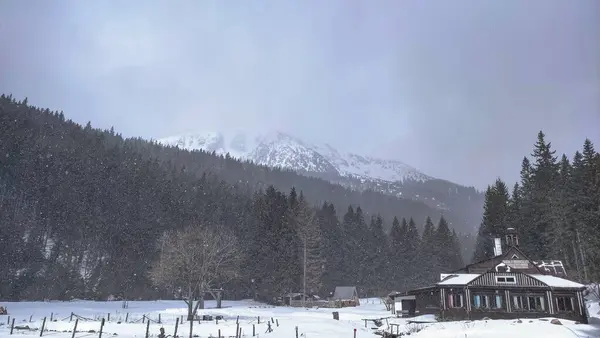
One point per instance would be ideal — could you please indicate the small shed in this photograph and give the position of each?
(347, 295)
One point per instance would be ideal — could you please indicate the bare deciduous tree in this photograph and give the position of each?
(194, 261)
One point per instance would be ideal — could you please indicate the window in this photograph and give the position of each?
(482, 301)
(506, 280)
(455, 300)
(564, 304)
(529, 303)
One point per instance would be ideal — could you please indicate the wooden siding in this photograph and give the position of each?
(522, 280)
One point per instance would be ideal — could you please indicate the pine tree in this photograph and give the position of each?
(378, 252)
(397, 254)
(351, 248)
(457, 261)
(415, 262)
(494, 223)
(562, 234)
(311, 242)
(333, 248)
(544, 177)
(588, 200)
(577, 204)
(445, 250)
(428, 252)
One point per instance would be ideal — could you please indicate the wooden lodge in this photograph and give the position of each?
(507, 286)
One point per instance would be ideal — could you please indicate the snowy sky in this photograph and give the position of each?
(455, 88)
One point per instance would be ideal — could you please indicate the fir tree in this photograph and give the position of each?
(494, 223)
(414, 262)
(544, 175)
(428, 252)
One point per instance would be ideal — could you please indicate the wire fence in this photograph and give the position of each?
(156, 325)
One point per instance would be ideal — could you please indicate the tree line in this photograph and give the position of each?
(555, 208)
(83, 213)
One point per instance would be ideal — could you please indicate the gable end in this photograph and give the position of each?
(520, 279)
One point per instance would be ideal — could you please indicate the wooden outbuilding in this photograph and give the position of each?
(346, 295)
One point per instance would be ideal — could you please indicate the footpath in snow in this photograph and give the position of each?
(132, 322)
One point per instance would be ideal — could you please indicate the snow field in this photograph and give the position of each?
(310, 322)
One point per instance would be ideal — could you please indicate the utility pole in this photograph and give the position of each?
(304, 278)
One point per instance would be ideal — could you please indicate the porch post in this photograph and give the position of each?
(443, 296)
(468, 299)
(507, 300)
(581, 304)
(550, 302)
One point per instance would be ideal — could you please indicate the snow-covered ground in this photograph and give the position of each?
(310, 322)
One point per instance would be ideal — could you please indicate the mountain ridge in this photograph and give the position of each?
(357, 172)
(278, 149)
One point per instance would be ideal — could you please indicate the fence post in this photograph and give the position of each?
(126, 317)
(259, 319)
(30, 318)
(237, 329)
(159, 321)
(147, 329)
(219, 335)
(296, 332)
(354, 333)
(277, 321)
(176, 327)
(253, 330)
(51, 316)
(43, 325)
(75, 328)
(237, 320)
(8, 321)
(71, 318)
(12, 326)
(108, 317)
(101, 327)
(144, 319)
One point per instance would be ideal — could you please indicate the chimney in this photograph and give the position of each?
(497, 247)
(512, 238)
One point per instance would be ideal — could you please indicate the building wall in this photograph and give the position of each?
(507, 310)
(427, 301)
(521, 280)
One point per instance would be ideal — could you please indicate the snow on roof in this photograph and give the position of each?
(557, 282)
(459, 279)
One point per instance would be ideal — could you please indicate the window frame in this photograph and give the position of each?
(505, 281)
(567, 300)
(491, 301)
(526, 299)
(455, 296)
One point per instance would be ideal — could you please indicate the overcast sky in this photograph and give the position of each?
(458, 89)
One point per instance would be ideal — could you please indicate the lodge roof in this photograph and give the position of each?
(465, 279)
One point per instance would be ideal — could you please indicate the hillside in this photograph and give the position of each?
(83, 211)
(357, 172)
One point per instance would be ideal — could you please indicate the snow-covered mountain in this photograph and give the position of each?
(357, 172)
(282, 150)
